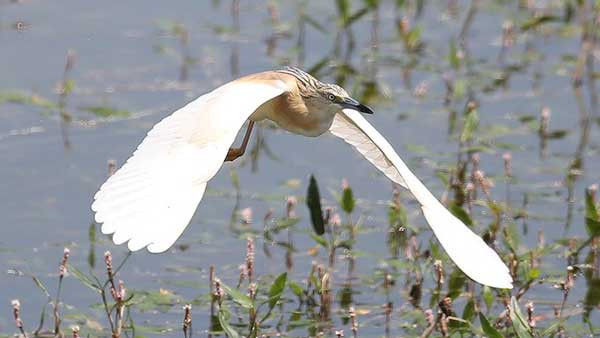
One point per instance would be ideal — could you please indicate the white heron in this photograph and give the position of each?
(151, 199)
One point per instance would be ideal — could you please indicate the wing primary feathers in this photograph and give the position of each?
(152, 198)
(468, 251)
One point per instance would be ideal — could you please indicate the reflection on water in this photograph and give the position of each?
(492, 103)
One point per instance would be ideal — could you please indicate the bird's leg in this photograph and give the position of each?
(234, 153)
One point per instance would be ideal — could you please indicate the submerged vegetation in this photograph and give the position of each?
(512, 88)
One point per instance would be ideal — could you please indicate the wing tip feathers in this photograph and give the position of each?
(133, 244)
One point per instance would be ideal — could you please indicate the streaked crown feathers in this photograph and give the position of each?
(310, 86)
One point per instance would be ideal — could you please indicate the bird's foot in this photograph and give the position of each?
(233, 154)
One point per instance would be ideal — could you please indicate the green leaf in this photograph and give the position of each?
(313, 23)
(348, 200)
(455, 284)
(533, 274)
(224, 321)
(320, 240)
(68, 86)
(87, 281)
(592, 217)
(316, 282)
(488, 296)
(471, 123)
(371, 3)
(103, 111)
(346, 244)
(155, 300)
(552, 329)
(41, 286)
(284, 223)
(215, 325)
(537, 21)
(496, 208)
(469, 311)
(296, 289)
(461, 214)
(453, 55)
(26, 99)
(294, 324)
(277, 289)
(397, 216)
(313, 201)
(592, 226)
(592, 297)
(92, 239)
(458, 324)
(557, 134)
(511, 236)
(238, 296)
(356, 16)
(343, 7)
(518, 321)
(413, 38)
(344, 297)
(487, 328)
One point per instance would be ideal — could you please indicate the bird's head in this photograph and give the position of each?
(324, 96)
(336, 96)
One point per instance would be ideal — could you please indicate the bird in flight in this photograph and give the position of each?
(150, 200)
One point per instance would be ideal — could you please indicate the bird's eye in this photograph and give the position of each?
(331, 97)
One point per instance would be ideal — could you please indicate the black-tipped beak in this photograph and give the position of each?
(353, 104)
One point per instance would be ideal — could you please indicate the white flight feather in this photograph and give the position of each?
(151, 199)
(468, 251)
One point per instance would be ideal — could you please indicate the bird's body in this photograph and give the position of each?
(151, 199)
(291, 110)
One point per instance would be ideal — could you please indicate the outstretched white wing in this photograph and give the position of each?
(151, 199)
(470, 253)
